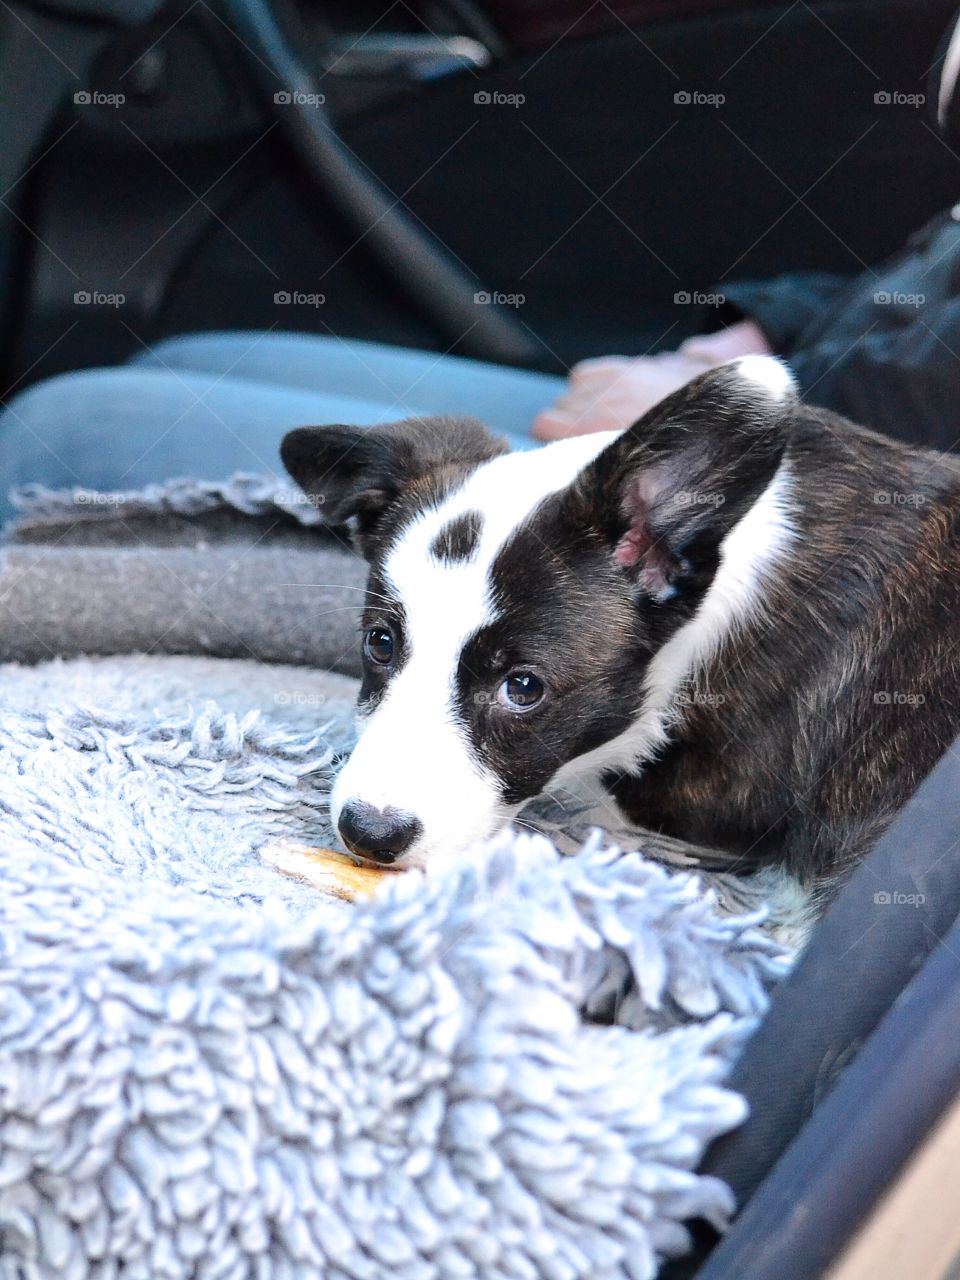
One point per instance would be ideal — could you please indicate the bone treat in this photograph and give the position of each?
(333, 873)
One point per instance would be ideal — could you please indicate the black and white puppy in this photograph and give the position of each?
(738, 618)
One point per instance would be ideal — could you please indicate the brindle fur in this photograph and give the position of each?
(803, 737)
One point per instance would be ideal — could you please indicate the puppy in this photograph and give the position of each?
(737, 621)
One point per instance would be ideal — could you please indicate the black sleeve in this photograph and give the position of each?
(903, 381)
(783, 306)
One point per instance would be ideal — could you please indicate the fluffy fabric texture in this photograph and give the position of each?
(207, 1071)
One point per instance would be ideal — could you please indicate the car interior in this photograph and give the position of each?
(521, 202)
(426, 152)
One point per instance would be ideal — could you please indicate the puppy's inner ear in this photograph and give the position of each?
(669, 490)
(641, 548)
(674, 514)
(355, 473)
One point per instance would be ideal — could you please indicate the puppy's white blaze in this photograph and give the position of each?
(767, 372)
(414, 756)
(749, 552)
(413, 752)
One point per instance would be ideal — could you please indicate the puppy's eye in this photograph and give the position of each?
(378, 646)
(521, 691)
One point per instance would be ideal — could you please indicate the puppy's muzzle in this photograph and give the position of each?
(379, 834)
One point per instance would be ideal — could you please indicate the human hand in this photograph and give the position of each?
(611, 392)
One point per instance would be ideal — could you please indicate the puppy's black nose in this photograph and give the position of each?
(380, 834)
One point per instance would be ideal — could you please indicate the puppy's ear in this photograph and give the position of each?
(357, 473)
(673, 486)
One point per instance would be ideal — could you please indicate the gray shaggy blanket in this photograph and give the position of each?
(209, 1071)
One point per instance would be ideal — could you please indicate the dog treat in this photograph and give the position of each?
(333, 873)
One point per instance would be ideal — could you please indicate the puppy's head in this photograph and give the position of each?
(533, 615)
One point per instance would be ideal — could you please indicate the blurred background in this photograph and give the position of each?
(523, 180)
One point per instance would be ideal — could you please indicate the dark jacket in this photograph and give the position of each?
(882, 347)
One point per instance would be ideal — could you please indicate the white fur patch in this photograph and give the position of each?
(767, 372)
(749, 551)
